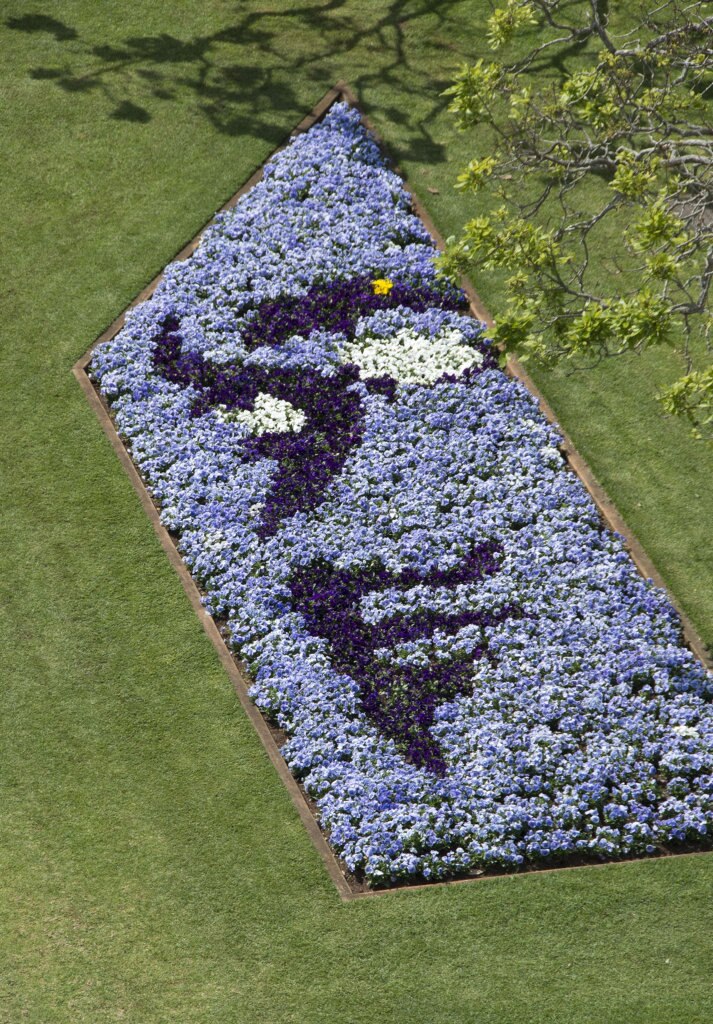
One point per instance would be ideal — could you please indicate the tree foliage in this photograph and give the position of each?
(618, 147)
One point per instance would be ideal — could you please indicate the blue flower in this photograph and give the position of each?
(469, 667)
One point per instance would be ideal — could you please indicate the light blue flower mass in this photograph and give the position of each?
(587, 726)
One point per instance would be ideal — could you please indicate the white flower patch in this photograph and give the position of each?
(687, 731)
(269, 415)
(410, 356)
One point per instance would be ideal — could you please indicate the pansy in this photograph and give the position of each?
(382, 286)
(469, 667)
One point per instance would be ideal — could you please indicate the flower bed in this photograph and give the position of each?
(471, 672)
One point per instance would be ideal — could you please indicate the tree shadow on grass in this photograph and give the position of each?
(241, 77)
(42, 23)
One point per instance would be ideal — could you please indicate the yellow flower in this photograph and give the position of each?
(382, 286)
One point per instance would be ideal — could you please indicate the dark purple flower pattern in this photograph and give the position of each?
(400, 699)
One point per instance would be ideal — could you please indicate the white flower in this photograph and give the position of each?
(268, 415)
(214, 541)
(686, 730)
(551, 454)
(411, 357)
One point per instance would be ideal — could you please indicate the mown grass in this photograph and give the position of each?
(153, 868)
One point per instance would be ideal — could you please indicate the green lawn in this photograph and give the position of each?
(153, 868)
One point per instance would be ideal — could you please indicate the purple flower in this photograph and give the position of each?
(470, 669)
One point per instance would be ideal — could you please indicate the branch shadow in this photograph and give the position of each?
(242, 77)
(42, 23)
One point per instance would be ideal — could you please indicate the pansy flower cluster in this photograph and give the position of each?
(470, 670)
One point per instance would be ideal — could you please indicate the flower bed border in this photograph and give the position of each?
(272, 738)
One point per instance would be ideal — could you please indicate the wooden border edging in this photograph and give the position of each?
(236, 672)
